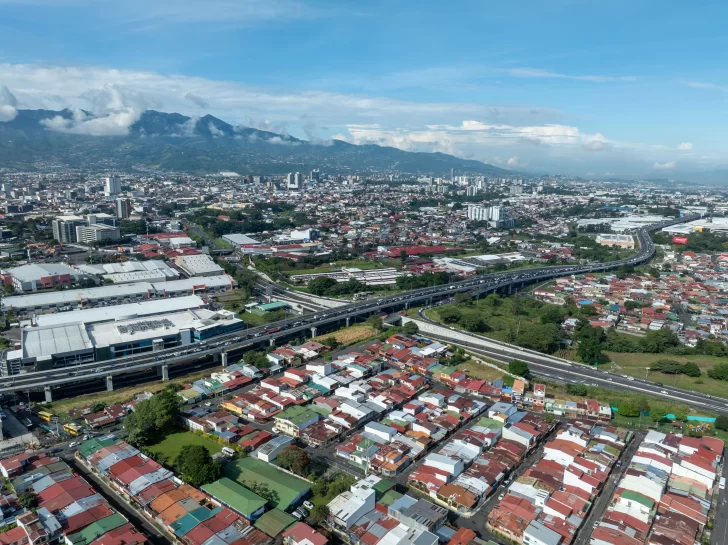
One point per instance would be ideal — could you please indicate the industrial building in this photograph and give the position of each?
(65, 345)
(198, 265)
(238, 240)
(622, 241)
(133, 271)
(37, 276)
(37, 303)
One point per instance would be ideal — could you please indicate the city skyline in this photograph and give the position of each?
(535, 89)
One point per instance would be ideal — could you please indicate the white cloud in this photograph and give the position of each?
(685, 146)
(8, 104)
(707, 85)
(513, 162)
(669, 165)
(214, 131)
(546, 74)
(197, 100)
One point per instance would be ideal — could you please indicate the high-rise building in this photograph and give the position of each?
(478, 213)
(294, 181)
(64, 228)
(97, 232)
(123, 208)
(452, 175)
(471, 190)
(113, 185)
(316, 175)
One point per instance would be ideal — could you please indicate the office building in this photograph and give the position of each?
(316, 175)
(97, 232)
(123, 208)
(112, 185)
(64, 228)
(294, 181)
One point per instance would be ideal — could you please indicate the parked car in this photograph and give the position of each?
(308, 505)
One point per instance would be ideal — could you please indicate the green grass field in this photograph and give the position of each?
(635, 365)
(170, 446)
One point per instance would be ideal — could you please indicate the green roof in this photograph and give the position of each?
(639, 498)
(235, 496)
(251, 471)
(274, 522)
(383, 486)
(449, 370)
(87, 448)
(390, 497)
(276, 305)
(96, 529)
(489, 423)
(298, 414)
(189, 394)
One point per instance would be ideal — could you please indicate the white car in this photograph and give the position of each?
(308, 505)
(74, 444)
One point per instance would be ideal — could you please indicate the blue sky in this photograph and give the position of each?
(587, 87)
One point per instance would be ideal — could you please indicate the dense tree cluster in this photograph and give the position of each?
(196, 465)
(152, 418)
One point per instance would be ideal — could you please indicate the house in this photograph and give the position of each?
(302, 534)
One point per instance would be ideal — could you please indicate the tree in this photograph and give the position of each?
(320, 285)
(577, 389)
(196, 465)
(375, 321)
(519, 368)
(28, 500)
(152, 418)
(256, 358)
(643, 404)
(669, 367)
(295, 459)
(450, 315)
(403, 256)
(493, 300)
(721, 423)
(628, 408)
(552, 314)
(691, 369)
(540, 337)
(410, 328)
(652, 271)
(331, 341)
(658, 341)
(319, 514)
(681, 412)
(632, 305)
(474, 323)
(719, 371)
(98, 406)
(463, 298)
(658, 414)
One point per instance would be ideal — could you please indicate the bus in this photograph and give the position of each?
(73, 429)
(45, 415)
(722, 483)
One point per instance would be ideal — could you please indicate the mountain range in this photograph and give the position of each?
(175, 142)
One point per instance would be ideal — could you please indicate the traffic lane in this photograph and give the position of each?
(602, 501)
(720, 525)
(584, 375)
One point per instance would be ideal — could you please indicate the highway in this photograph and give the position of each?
(318, 321)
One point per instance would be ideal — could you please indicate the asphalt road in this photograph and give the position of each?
(720, 526)
(545, 366)
(607, 492)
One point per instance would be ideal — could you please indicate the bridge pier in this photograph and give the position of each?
(109, 383)
(48, 395)
(223, 358)
(510, 289)
(272, 341)
(348, 321)
(313, 332)
(165, 373)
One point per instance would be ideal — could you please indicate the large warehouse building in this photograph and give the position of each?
(68, 344)
(114, 294)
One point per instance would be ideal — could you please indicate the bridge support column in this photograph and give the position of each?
(223, 358)
(272, 341)
(313, 332)
(348, 321)
(109, 383)
(510, 289)
(165, 373)
(406, 305)
(48, 395)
